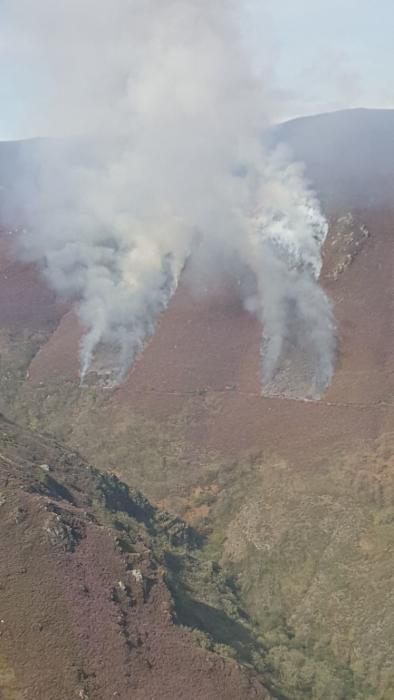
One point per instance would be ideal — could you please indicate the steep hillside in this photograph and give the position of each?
(90, 586)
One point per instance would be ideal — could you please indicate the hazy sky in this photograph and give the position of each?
(325, 55)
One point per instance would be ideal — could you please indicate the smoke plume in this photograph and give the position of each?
(161, 115)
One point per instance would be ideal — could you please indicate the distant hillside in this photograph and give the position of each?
(15, 175)
(349, 155)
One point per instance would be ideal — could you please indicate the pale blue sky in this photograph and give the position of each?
(326, 55)
(335, 54)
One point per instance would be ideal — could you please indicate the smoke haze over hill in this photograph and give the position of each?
(161, 114)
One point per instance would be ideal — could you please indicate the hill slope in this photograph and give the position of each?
(294, 498)
(86, 607)
(349, 155)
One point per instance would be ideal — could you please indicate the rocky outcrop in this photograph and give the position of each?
(346, 239)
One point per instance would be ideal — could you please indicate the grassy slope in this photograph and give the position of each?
(312, 554)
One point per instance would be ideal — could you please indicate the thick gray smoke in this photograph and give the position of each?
(165, 116)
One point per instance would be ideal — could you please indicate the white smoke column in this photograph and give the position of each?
(286, 247)
(170, 116)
